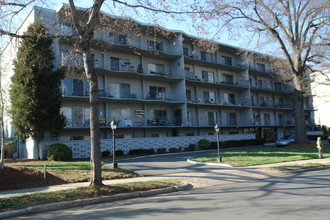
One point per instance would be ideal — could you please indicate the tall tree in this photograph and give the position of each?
(299, 28)
(35, 91)
(85, 29)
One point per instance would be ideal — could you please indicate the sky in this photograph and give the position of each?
(181, 23)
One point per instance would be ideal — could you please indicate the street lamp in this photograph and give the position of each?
(113, 128)
(217, 129)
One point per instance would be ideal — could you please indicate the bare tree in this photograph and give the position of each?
(299, 28)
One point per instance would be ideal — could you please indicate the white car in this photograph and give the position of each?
(284, 141)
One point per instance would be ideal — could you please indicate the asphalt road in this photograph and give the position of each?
(165, 164)
(299, 196)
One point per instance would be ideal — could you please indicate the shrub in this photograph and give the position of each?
(105, 153)
(141, 151)
(238, 143)
(161, 150)
(59, 152)
(204, 144)
(314, 137)
(119, 153)
(192, 147)
(10, 149)
(173, 150)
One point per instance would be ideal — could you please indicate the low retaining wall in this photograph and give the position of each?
(81, 149)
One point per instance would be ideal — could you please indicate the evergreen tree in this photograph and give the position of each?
(35, 91)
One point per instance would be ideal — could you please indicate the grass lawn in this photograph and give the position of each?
(76, 171)
(266, 156)
(14, 203)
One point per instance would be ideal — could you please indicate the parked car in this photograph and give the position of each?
(285, 141)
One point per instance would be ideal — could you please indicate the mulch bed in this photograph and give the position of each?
(25, 177)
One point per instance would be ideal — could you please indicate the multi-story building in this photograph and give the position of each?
(163, 85)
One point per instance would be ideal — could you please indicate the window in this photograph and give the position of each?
(266, 119)
(125, 90)
(209, 97)
(78, 87)
(229, 98)
(160, 114)
(156, 69)
(155, 92)
(188, 95)
(264, 101)
(261, 67)
(226, 60)
(208, 76)
(212, 118)
(206, 56)
(117, 39)
(190, 118)
(185, 51)
(279, 102)
(231, 118)
(114, 64)
(280, 118)
(228, 79)
(232, 99)
(80, 117)
(155, 45)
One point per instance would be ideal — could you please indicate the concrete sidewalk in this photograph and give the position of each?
(19, 192)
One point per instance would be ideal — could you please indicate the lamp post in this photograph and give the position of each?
(217, 129)
(113, 128)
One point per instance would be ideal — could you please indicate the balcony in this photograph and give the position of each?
(264, 86)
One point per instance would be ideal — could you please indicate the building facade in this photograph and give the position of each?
(161, 83)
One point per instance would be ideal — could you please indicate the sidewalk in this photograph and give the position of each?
(19, 192)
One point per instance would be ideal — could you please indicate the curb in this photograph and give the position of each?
(212, 164)
(91, 201)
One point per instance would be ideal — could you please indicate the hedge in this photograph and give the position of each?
(238, 143)
(141, 151)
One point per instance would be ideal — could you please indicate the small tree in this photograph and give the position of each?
(35, 92)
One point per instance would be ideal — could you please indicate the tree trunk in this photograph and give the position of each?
(96, 176)
(2, 156)
(37, 148)
(299, 114)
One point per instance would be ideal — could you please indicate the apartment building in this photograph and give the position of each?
(165, 85)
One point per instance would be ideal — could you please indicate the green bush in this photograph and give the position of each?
(173, 150)
(192, 147)
(10, 149)
(161, 150)
(59, 152)
(141, 151)
(105, 153)
(314, 137)
(204, 144)
(119, 153)
(238, 143)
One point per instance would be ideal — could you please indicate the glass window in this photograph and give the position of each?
(261, 67)
(67, 112)
(114, 64)
(188, 95)
(78, 87)
(231, 118)
(185, 51)
(78, 117)
(226, 60)
(125, 90)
